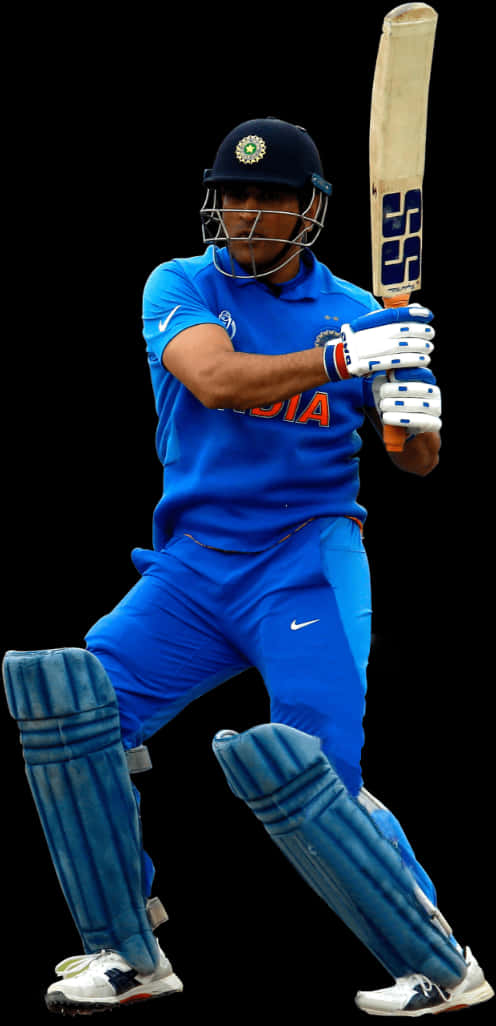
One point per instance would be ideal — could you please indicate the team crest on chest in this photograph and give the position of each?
(251, 149)
(326, 336)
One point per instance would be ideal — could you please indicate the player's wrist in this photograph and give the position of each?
(335, 362)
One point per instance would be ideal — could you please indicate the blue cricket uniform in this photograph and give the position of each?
(257, 556)
(239, 479)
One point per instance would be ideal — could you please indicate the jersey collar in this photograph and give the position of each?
(307, 284)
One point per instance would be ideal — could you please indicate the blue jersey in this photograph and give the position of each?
(243, 479)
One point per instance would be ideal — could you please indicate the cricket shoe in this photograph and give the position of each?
(103, 981)
(416, 995)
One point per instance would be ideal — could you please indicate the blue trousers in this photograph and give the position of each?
(299, 612)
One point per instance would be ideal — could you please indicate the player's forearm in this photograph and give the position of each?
(245, 380)
(420, 455)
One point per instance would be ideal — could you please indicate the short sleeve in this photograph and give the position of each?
(171, 303)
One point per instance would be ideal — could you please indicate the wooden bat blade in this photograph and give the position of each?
(398, 127)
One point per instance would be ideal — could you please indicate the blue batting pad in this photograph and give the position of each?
(68, 717)
(290, 785)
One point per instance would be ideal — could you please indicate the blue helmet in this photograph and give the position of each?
(271, 152)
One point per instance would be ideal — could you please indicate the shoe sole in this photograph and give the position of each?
(58, 1002)
(473, 997)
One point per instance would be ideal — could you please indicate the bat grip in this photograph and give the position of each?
(395, 437)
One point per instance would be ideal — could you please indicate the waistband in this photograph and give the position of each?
(240, 552)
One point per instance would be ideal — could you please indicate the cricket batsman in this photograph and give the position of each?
(264, 366)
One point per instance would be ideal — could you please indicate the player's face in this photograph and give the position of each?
(259, 221)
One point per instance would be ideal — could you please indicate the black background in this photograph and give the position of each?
(109, 126)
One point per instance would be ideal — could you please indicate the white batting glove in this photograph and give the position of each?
(409, 399)
(382, 340)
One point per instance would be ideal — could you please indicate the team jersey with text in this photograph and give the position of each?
(242, 479)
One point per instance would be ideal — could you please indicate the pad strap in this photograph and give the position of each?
(156, 913)
(138, 760)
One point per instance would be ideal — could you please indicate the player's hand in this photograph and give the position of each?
(409, 399)
(382, 340)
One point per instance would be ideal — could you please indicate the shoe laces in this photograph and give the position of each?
(79, 963)
(427, 986)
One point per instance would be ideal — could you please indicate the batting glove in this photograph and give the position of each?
(409, 399)
(382, 340)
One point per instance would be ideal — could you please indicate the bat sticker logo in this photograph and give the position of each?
(394, 219)
(401, 227)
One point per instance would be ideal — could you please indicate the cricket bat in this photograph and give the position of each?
(398, 125)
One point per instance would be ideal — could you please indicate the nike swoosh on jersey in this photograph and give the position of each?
(297, 626)
(163, 324)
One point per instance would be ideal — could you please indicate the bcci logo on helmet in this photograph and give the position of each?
(250, 149)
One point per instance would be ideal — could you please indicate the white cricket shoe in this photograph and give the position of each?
(96, 983)
(416, 995)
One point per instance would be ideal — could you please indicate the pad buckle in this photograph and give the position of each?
(156, 913)
(138, 760)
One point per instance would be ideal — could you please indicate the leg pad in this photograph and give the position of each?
(68, 717)
(290, 785)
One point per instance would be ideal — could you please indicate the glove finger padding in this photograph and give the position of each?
(416, 424)
(410, 390)
(411, 404)
(383, 340)
(387, 347)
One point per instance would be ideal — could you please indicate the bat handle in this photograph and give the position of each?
(395, 437)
